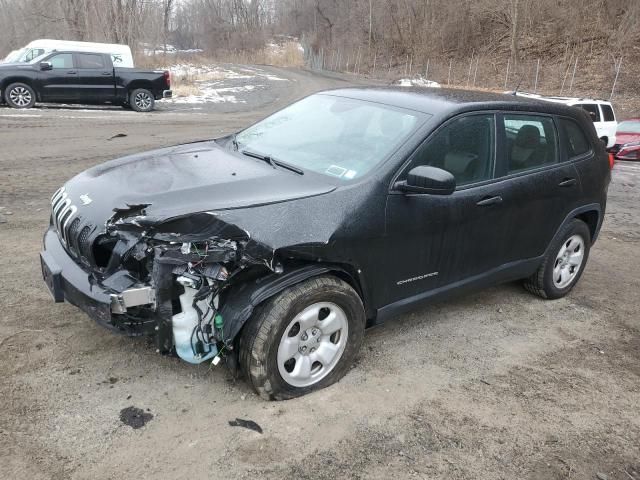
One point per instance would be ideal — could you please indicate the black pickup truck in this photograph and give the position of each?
(87, 78)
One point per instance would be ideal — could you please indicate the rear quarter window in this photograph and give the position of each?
(575, 140)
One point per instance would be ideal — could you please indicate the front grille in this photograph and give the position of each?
(73, 231)
(84, 245)
(62, 213)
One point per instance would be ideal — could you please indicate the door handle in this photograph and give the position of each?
(568, 182)
(106, 74)
(488, 201)
(72, 73)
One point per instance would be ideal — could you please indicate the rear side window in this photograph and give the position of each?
(464, 147)
(88, 61)
(592, 109)
(575, 139)
(531, 142)
(62, 60)
(607, 113)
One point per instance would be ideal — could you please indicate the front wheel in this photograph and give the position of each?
(20, 95)
(564, 262)
(141, 100)
(303, 339)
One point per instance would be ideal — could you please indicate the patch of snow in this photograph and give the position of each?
(210, 94)
(417, 82)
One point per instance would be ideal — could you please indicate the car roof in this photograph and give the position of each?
(439, 101)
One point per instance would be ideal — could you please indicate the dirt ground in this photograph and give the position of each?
(496, 385)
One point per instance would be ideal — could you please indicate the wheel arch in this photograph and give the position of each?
(9, 80)
(146, 84)
(592, 219)
(241, 301)
(591, 214)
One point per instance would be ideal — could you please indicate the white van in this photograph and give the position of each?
(120, 54)
(600, 111)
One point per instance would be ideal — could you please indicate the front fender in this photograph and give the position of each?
(242, 301)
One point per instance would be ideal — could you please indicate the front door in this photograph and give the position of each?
(440, 240)
(60, 83)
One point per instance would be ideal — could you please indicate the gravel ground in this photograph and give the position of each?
(496, 385)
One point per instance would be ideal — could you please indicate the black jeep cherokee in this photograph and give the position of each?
(275, 247)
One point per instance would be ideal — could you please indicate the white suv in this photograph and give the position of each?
(600, 111)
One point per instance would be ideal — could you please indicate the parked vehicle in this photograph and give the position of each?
(600, 111)
(12, 56)
(627, 145)
(87, 78)
(120, 54)
(275, 247)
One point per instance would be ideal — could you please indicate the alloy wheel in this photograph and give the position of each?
(20, 96)
(143, 100)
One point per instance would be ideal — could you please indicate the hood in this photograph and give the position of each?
(185, 179)
(6, 66)
(627, 137)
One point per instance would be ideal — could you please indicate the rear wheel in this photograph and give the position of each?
(141, 100)
(20, 95)
(564, 263)
(303, 339)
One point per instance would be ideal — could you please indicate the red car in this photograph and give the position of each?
(627, 146)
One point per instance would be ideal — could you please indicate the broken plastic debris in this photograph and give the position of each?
(250, 424)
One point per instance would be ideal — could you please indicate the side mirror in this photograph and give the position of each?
(431, 180)
(46, 66)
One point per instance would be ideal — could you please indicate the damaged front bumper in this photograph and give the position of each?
(107, 305)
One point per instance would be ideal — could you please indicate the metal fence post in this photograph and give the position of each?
(506, 77)
(575, 65)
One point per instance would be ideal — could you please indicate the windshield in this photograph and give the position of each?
(335, 136)
(14, 56)
(39, 57)
(629, 126)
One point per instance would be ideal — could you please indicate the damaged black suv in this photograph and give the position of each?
(275, 247)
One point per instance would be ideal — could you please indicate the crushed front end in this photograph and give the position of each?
(139, 275)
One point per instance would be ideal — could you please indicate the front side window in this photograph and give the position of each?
(592, 109)
(89, 61)
(336, 136)
(576, 142)
(62, 60)
(464, 147)
(607, 113)
(531, 142)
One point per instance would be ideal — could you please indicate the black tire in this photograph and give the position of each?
(543, 283)
(142, 100)
(24, 96)
(261, 336)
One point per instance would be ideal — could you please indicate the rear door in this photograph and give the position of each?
(540, 184)
(95, 75)
(60, 83)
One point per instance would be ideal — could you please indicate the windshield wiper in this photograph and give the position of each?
(272, 161)
(234, 141)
